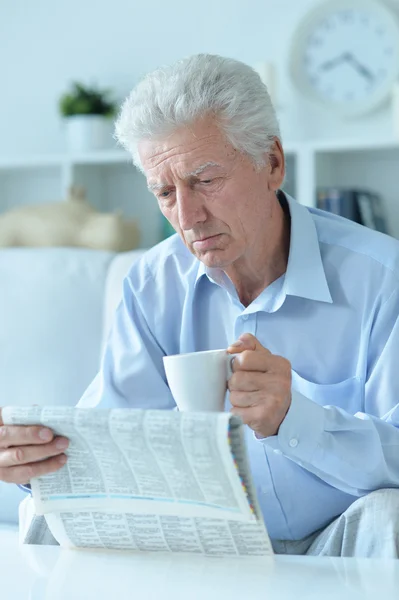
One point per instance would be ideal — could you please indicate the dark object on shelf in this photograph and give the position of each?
(86, 100)
(362, 206)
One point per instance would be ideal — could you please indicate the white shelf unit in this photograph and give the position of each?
(371, 164)
(113, 183)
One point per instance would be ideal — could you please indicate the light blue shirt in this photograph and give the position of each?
(333, 315)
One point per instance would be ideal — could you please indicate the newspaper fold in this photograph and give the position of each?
(149, 481)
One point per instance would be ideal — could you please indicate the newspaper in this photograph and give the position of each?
(149, 481)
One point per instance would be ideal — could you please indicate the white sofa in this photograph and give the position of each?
(56, 307)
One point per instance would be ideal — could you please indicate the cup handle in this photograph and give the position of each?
(229, 365)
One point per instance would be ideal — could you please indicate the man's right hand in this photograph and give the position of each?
(29, 451)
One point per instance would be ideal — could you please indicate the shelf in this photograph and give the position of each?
(354, 145)
(116, 156)
(100, 157)
(31, 162)
(342, 145)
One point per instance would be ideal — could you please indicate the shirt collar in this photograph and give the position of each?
(305, 276)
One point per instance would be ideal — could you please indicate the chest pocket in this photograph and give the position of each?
(347, 394)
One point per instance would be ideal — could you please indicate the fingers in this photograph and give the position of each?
(241, 399)
(19, 455)
(247, 389)
(264, 362)
(24, 473)
(248, 360)
(260, 386)
(246, 381)
(20, 464)
(249, 354)
(21, 435)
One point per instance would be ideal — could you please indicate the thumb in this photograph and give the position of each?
(246, 341)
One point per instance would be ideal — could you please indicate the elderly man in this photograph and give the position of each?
(306, 301)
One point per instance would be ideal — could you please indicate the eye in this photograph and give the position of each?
(164, 194)
(206, 181)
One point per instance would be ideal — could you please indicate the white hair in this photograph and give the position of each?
(178, 95)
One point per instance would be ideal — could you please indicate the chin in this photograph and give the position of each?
(214, 259)
(219, 255)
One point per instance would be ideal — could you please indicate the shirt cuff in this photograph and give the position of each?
(25, 488)
(300, 432)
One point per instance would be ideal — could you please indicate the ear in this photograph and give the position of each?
(273, 162)
(277, 166)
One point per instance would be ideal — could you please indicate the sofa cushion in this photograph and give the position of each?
(51, 307)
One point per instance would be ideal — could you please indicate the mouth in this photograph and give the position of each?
(206, 243)
(208, 237)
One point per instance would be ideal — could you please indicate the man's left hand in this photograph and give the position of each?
(260, 387)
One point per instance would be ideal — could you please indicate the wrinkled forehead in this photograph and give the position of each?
(191, 147)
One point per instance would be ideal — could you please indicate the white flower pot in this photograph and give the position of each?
(86, 133)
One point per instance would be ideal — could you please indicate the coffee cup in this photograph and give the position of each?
(198, 380)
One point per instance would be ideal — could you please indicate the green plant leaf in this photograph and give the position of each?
(86, 100)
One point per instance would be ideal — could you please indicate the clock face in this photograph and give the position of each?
(346, 55)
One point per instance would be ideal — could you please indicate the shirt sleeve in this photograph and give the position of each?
(131, 373)
(356, 453)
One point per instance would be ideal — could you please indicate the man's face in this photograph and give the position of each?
(212, 194)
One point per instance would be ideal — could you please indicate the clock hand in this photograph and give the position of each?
(361, 69)
(330, 64)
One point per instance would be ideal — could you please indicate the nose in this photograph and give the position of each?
(191, 209)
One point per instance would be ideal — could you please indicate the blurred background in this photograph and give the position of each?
(47, 46)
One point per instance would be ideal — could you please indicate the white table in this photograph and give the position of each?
(50, 573)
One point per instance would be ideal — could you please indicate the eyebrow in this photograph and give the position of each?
(195, 173)
(201, 169)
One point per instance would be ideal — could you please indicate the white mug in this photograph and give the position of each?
(198, 380)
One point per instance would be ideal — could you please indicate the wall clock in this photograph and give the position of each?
(345, 55)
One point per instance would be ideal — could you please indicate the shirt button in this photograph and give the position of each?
(277, 451)
(245, 317)
(293, 443)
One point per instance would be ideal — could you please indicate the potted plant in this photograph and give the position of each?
(88, 113)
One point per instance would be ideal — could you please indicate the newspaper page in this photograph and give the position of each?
(151, 481)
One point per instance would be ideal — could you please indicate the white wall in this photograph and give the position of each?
(45, 44)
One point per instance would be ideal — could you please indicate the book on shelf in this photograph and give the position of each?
(362, 206)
